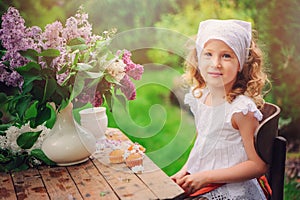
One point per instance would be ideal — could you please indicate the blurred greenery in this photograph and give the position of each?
(277, 23)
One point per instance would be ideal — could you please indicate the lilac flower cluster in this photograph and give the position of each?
(57, 36)
(132, 70)
(16, 37)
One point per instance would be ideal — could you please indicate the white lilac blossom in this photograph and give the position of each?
(9, 141)
(117, 70)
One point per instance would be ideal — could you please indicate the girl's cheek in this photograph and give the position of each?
(205, 63)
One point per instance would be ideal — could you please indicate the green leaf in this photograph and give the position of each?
(50, 53)
(63, 69)
(68, 77)
(39, 154)
(83, 67)
(94, 75)
(31, 112)
(78, 86)
(64, 104)
(51, 121)
(28, 82)
(31, 66)
(4, 158)
(27, 87)
(3, 98)
(30, 54)
(76, 41)
(121, 99)
(50, 88)
(26, 140)
(22, 105)
(44, 114)
(4, 127)
(16, 163)
(111, 79)
(79, 47)
(109, 100)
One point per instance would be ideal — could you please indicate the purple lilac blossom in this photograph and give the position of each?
(94, 98)
(128, 88)
(133, 70)
(97, 101)
(16, 37)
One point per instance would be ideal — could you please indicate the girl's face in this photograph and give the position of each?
(218, 65)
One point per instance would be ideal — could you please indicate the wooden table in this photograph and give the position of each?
(93, 179)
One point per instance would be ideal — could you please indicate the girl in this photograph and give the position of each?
(227, 76)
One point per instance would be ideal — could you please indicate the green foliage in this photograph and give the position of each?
(282, 26)
(12, 162)
(291, 190)
(127, 14)
(39, 88)
(186, 22)
(38, 12)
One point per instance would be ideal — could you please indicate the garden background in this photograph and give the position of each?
(157, 33)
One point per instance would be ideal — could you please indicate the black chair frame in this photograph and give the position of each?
(272, 149)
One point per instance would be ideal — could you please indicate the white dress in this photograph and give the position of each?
(219, 145)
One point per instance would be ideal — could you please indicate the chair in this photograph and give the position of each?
(272, 149)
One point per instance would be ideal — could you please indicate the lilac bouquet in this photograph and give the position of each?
(61, 64)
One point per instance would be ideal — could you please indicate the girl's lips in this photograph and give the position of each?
(215, 74)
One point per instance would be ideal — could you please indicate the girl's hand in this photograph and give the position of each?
(179, 175)
(192, 183)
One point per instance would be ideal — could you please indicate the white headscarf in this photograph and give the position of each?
(235, 33)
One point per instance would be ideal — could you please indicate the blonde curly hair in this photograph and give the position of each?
(250, 81)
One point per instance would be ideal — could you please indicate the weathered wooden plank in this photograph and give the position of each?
(90, 182)
(159, 182)
(29, 185)
(125, 183)
(7, 191)
(59, 183)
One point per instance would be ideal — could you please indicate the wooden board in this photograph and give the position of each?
(125, 183)
(90, 183)
(29, 185)
(59, 183)
(153, 175)
(7, 191)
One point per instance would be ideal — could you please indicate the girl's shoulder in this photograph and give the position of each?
(245, 104)
(193, 98)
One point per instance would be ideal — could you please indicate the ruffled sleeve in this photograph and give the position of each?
(244, 105)
(190, 100)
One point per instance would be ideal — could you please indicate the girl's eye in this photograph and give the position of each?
(207, 54)
(226, 55)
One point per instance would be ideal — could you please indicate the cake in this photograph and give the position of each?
(134, 159)
(134, 155)
(136, 147)
(116, 156)
(115, 134)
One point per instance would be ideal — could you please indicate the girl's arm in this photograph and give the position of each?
(252, 168)
(182, 172)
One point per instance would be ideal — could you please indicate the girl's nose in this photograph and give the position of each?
(216, 62)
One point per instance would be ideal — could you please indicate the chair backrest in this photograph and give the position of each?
(272, 149)
(267, 131)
